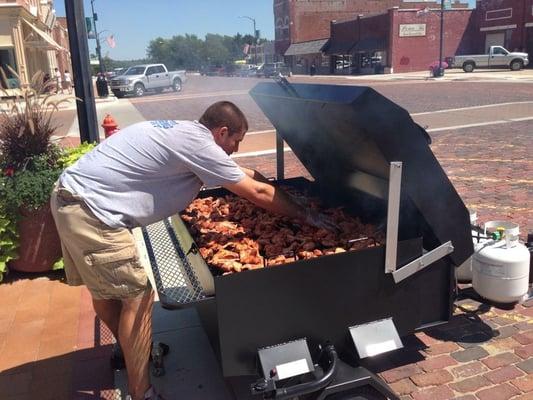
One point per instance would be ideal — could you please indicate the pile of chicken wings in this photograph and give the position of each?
(235, 235)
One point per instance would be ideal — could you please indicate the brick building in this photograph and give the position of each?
(60, 35)
(399, 40)
(415, 37)
(302, 27)
(507, 23)
(297, 21)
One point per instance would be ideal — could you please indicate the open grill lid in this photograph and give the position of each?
(347, 136)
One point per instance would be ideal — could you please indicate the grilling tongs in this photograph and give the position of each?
(286, 85)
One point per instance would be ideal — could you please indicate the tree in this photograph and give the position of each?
(190, 52)
(215, 51)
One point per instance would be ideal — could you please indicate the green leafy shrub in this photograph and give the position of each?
(30, 163)
(8, 240)
(71, 155)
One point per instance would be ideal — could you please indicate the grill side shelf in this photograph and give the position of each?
(177, 283)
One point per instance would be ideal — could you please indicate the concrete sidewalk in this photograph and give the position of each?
(66, 101)
(122, 110)
(450, 75)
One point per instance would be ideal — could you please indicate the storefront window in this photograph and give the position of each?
(344, 62)
(7, 62)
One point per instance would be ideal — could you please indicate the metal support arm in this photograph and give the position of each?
(393, 217)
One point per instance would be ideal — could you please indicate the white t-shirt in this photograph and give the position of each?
(149, 171)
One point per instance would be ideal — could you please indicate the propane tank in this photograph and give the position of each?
(464, 271)
(500, 266)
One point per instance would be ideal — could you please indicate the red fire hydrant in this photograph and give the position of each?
(110, 126)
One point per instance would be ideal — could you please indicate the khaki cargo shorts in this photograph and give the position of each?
(102, 258)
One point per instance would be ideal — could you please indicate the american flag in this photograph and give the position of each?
(111, 41)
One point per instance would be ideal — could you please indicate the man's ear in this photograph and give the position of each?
(224, 131)
(220, 132)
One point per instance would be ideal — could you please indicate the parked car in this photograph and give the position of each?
(497, 57)
(269, 70)
(247, 70)
(213, 70)
(139, 79)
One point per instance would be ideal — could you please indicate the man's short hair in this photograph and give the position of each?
(224, 113)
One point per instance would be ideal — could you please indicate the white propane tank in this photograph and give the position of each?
(463, 273)
(500, 266)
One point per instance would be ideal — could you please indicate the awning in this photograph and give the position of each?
(311, 47)
(339, 48)
(370, 44)
(47, 43)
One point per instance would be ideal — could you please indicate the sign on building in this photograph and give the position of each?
(412, 30)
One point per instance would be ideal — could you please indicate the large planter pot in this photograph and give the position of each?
(40, 246)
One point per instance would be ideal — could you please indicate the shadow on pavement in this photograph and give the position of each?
(80, 375)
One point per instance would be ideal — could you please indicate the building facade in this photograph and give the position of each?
(27, 44)
(507, 23)
(359, 33)
(414, 37)
(297, 21)
(60, 35)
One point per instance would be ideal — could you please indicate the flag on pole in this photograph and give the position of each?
(111, 41)
(246, 48)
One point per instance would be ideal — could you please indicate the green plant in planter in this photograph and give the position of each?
(68, 157)
(72, 154)
(8, 240)
(29, 162)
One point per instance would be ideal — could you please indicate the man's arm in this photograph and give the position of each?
(267, 196)
(274, 199)
(252, 173)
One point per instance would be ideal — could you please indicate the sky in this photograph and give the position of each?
(135, 22)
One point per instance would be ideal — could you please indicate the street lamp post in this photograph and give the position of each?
(83, 85)
(441, 70)
(98, 48)
(255, 37)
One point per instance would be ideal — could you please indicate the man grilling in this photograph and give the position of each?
(147, 172)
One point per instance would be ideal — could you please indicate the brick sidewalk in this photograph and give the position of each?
(483, 353)
(52, 346)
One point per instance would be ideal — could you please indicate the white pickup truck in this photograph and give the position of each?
(138, 79)
(498, 57)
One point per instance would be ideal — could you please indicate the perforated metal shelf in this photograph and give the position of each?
(177, 283)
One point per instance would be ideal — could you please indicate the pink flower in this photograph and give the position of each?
(9, 171)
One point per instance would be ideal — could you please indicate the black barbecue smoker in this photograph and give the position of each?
(302, 327)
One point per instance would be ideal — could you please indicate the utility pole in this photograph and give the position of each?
(98, 48)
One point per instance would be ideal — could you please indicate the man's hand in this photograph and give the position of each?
(319, 220)
(299, 200)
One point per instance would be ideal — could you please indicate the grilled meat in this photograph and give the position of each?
(235, 235)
